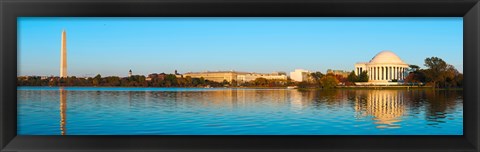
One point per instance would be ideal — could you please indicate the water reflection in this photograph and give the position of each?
(241, 111)
(385, 106)
(63, 111)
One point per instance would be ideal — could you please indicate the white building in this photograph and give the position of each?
(299, 75)
(383, 68)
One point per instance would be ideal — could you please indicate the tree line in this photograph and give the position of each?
(155, 80)
(438, 74)
(169, 80)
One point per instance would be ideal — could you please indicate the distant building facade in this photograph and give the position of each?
(299, 75)
(239, 77)
(384, 67)
(338, 72)
(217, 76)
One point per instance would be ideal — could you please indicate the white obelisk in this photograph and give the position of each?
(63, 56)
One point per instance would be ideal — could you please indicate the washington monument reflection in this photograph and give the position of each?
(63, 111)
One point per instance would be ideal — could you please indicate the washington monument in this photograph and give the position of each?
(63, 56)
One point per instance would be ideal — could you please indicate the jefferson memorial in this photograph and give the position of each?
(383, 69)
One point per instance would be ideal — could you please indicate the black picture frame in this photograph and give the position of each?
(11, 9)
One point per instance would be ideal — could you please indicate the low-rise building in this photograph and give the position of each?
(217, 76)
(299, 75)
(252, 76)
(338, 72)
(239, 77)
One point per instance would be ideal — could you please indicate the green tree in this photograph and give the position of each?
(113, 81)
(260, 82)
(414, 67)
(97, 79)
(352, 77)
(363, 77)
(316, 76)
(170, 80)
(225, 82)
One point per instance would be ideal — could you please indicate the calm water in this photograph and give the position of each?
(198, 111)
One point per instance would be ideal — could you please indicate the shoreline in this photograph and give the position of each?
(336, 88)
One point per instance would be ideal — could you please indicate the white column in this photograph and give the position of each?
(379, 73)
(396, 73)
(371, 73)
(383, 73)
(386, 73)
(389, 77)
(391, 72)
(401, 73)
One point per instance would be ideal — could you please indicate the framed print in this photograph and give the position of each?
(236, 75)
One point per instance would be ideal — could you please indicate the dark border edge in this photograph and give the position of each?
(471, 66)
(473, 36)
(2, 129)
(7, 109)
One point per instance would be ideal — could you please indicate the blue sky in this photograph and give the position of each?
(112, 46)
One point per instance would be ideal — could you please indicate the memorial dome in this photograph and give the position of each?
(386, 57)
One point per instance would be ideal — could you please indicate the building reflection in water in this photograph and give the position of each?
(63, 111)
(385, 106)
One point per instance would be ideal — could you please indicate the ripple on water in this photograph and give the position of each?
(184, 111)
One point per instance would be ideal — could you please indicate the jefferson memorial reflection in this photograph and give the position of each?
(385, 106)
(244, 111)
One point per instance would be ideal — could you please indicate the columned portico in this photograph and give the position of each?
(386, 66)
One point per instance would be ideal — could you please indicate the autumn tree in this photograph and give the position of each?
(329, 81)
(437, 70)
